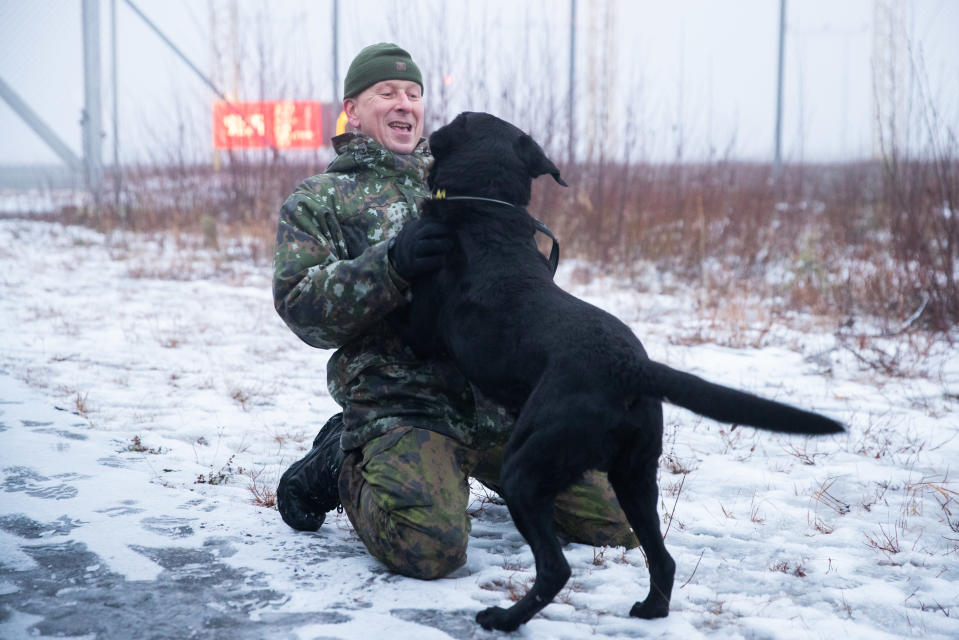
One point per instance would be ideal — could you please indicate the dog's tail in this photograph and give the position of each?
(724, 404)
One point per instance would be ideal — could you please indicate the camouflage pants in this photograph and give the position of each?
(406, 493)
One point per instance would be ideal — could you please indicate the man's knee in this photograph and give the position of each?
(425, 554)
(411, 517)
(589, 513)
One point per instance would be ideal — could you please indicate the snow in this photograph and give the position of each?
(146, 384)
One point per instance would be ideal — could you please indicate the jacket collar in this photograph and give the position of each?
(356, 151)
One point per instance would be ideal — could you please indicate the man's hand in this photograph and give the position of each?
(419, 248)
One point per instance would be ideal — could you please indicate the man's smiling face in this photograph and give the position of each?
(390, 112)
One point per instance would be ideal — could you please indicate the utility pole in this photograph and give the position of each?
(116, 117)
(572, 78)
(92, 121)
(777, 160)
(336, 54)
(889, 77)
(32, 120)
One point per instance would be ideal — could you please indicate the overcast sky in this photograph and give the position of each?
(695, 74)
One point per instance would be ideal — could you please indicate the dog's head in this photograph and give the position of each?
(480, 155)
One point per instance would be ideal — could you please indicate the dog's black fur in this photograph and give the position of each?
(585, 393)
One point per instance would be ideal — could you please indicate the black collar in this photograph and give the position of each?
(440, 194)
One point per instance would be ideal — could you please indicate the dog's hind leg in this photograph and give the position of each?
(633, 476)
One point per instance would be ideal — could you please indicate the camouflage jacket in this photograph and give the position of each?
(333, 286)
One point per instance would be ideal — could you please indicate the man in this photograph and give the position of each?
(398, 458)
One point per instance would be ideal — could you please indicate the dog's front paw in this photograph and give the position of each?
(650, 608)
(496, 618)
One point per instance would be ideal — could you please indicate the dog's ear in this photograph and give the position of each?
(532, 155)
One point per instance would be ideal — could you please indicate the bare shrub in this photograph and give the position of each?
(263, 493)
(798, 569)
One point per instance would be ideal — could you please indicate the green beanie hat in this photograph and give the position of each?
(377, 62)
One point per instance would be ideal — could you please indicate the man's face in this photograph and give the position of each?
(390, 112)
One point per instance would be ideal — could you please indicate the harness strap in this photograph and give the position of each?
(554, 250)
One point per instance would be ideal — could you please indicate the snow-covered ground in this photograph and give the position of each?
(148, 392)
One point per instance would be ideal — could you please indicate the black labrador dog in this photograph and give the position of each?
(584, 391)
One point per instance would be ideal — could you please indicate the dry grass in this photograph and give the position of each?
(805, 452)
(81, 404)
(728, 228)
(754, 516)
(885, 541)
(515, 588)
(136, 445)
(223, 475)
(599, 556)
(797, 569)
(822, 496)
(858, 243)
(263, 491)
(675, 465)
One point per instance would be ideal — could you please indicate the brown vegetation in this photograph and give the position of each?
(879, 240)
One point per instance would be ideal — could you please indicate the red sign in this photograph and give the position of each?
(284, 124)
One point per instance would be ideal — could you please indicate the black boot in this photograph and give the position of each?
(308, 489)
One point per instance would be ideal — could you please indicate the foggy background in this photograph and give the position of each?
(685, 80)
